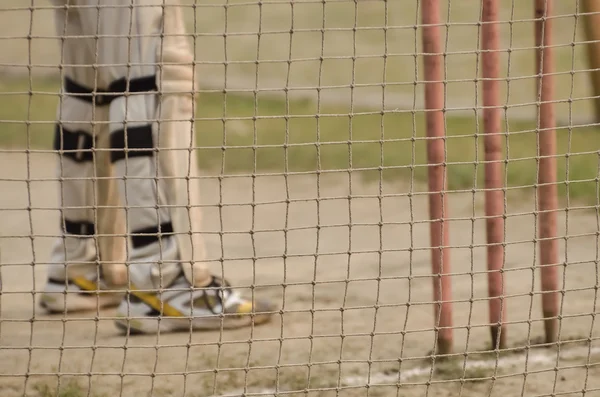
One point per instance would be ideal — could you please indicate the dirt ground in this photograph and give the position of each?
(366, 270)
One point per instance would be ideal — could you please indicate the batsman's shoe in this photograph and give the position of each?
(182, 308)
(78, 294)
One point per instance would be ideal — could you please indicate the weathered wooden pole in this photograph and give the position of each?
(438, 208)
(494, 195)
(547, 191)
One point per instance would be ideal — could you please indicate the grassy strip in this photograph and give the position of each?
(70, 389)
(240, 134)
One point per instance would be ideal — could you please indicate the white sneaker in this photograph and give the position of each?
(183, 308)
(78, 294)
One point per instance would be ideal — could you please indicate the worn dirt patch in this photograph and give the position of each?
(350, 271)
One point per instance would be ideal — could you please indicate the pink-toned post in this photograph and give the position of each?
(438, 208)
(547, 192)
(494, 193)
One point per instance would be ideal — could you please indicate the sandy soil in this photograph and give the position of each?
(357, 269)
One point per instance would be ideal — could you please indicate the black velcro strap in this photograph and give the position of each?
(116, 89)
(131, 142)
(80, 228)
(137, 85)
(149, 235)
(77, 145)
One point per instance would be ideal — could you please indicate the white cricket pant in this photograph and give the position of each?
(124, 201)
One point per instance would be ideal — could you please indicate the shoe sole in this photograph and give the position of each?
(144, 326)
(79, 305)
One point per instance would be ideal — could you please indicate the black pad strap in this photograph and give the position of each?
(149, 235)
(80, 228)
(77, 145)
(116, 89)
(131, 142)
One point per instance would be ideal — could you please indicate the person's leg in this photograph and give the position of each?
(74, 256)
(150, 137)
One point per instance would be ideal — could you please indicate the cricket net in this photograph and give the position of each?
(400, 179)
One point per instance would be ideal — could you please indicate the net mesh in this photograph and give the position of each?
(313, 144)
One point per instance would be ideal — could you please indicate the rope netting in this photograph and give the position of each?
(299, 197)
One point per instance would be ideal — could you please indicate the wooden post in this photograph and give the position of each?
(547, 191)
(591, 24)
(494, 195)
(438, 208)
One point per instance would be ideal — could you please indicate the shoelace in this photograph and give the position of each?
(222, 287)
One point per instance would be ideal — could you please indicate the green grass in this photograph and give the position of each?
(351, 37)
(70, 388)
(241, 134)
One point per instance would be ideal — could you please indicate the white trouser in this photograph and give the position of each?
(129, 193)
